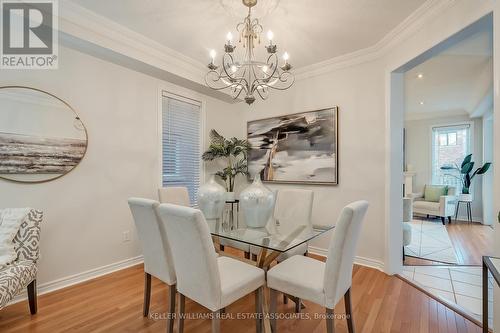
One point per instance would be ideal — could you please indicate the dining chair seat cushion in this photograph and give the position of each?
(237, 279)
(299, 276)
(14, 278)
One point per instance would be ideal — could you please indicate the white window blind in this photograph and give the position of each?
(181, 144)
(450, 145)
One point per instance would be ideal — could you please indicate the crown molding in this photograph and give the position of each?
(428, 11)
(86, 25)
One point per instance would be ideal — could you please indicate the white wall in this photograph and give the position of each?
(487, 179)
(359, 94)
(418, 154)
(86, 211)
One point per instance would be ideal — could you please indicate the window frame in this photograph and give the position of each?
(189, 97)
(431, 142)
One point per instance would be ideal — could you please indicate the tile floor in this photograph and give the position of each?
(457, 284)
(430, 240)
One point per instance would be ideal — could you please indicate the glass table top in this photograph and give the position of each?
(272, 237)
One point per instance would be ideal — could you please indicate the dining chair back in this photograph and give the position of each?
(156, 252)
(340, 260)
(212, 281)
(195, 259)
(177, 195)
(293, 208)
(322, 283)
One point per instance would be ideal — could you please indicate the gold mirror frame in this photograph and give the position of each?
(77, 116)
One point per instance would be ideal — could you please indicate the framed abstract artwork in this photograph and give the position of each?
(296, 148)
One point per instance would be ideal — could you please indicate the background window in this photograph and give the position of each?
(450, 144)
(181, 134)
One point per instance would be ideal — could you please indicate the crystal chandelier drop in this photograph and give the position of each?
(249, 76)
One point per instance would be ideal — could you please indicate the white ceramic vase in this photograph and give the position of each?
(257, 203)
(230, 196)
(212, 199)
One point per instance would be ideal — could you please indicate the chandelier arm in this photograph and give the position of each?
(249, 75)
(264, 97)
(224, 68)
(273, 65)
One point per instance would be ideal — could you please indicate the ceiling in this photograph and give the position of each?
(310, 31)
(458, 80)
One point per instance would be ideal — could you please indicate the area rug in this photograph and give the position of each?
(430, 240)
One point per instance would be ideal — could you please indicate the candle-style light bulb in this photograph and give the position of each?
(229, 38)
(270, 36)
(212, 55)
(286, 56)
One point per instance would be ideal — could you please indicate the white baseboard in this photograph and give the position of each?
(80, 277)
(362, 261)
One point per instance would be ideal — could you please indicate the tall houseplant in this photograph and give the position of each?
(233, 151)
(465, 172)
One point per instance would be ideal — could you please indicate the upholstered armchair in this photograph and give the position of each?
(22, 272)
(442, 206)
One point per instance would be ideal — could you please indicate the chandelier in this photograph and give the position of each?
(249, 76)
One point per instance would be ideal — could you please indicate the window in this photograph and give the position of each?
(181, 160)
(450, 144)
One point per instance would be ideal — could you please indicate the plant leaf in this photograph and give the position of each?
(483, 169)
(466, 160)
(466, 168)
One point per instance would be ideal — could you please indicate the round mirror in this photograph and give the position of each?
(41, 136)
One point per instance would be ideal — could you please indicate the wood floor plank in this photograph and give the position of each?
(113, 303)
(471, 241)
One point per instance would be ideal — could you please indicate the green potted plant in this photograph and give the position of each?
(466, 177)
(234, 153)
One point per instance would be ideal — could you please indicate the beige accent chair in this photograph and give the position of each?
(445, 208)
(322, 283)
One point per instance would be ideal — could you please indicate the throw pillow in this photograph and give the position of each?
(433, 193)
(10, 221)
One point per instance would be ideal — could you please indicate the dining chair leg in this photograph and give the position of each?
(171, 308)
(216, 321)
(348, 310)
(32, 297)
(147, 294)
(182, 309)
(298, 305)
(330, 323)
(258, 309)
(273, 298)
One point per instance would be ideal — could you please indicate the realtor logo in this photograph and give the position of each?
(29, 34)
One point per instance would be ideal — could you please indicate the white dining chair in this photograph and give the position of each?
(214, 282)
(319, 282)
(177, 195)
(156, 251)
(293, 208)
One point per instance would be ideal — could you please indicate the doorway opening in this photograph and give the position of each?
(446, 98)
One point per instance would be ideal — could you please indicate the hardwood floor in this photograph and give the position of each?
(113, 303)
(470, 240)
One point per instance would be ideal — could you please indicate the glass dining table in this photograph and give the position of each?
(270, 241)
